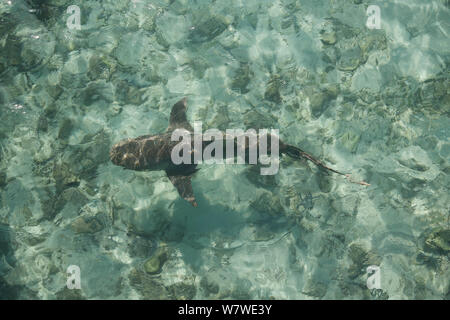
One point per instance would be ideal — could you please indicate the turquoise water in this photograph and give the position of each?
(371, 101)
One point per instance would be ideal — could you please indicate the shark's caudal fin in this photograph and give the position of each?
(298, 153)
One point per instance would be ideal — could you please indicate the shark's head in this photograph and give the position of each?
(125, 154)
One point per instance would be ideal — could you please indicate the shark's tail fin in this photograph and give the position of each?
(298, 153)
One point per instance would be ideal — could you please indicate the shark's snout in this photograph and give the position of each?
(114, 154)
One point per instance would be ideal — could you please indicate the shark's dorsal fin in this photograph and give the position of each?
(184, 187)
(178, 119)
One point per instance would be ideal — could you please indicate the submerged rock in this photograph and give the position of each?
(69, 294)
(315, 289)
(7, 23)
(272, 92)
(64, 177)
(429, 260)
(350, 140)
(155, 263)
(101, 67)
(319, 99)
(95, 92)
(350, 59)
(241, 79)
(10, 51)
(42, 123)
(267, 203)
(87, 225)
(414, 158)
(373, 40)
(221, 119)
(209, 285)
(413, 164)
(324, 181)
(361, 258)
(182, 291)
(438, 241)
(6, 244)
(434, 93)
(139, 246)
(224, 283)
(149, 287)
(127, 93)
(2, 179)
(42, 165)
(208, 29)
(65, 129)
(51, 109)
(254, 120)
(262, 234)
(31, 56)
(328, 37)
(32, 240)
(264, 181)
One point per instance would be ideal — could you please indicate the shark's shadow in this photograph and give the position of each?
(214, 222)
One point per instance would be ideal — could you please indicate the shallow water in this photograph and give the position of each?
(373, 102)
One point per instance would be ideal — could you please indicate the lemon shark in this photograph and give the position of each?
(164, 151)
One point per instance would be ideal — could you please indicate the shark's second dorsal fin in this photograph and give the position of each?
(178, 119)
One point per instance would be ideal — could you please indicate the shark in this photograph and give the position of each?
(155, 152)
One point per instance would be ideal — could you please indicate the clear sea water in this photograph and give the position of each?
(365, 93)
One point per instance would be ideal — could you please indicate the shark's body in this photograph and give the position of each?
(154, 152)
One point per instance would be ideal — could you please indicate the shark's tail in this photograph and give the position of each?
(298, 153)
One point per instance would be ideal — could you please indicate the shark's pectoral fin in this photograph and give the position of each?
(178, 118)
(184, 187)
